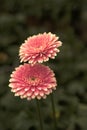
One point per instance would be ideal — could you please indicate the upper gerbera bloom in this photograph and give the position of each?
(31, 82)
(39, 48)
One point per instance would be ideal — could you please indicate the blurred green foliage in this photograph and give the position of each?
(68, 20)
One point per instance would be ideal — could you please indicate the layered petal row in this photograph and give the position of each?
(39, 48)
(31, 82)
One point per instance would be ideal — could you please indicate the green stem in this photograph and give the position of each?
(54, 112)
(39, 113)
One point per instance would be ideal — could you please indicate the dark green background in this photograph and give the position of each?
(68, 20)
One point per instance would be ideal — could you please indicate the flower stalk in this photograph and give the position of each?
(39, 114)
(54, 112)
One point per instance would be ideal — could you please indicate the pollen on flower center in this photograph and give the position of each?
(33, 80)
(39, 48)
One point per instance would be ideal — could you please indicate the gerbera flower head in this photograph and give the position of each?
(31, 82)
(39, 48)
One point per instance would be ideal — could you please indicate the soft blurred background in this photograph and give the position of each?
(68, 20)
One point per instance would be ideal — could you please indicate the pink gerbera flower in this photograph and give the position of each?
(31, 82)
(39, 48)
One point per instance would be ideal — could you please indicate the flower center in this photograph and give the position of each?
(38, 49)
(33, 78)
(33, 81)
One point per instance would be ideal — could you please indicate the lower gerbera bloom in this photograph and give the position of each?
(31, 82)
(39, 48)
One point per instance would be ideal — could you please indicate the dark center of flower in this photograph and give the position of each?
(33, 78)
(33, 81)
